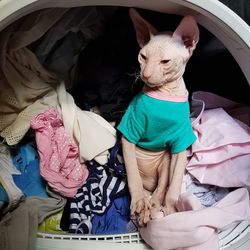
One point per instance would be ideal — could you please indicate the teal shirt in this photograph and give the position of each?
(156, 125)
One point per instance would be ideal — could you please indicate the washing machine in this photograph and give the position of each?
(217, 18)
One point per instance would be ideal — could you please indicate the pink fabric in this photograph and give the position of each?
(195, 228)
(59, 159)
(221, 154)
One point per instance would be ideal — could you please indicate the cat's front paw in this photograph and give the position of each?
(139, 205)
(140, 210)
(169, 206)
(143, 218)
(156, 205)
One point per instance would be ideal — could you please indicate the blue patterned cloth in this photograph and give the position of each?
(94, 197)
(30, 182)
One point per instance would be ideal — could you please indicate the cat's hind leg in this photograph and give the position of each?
(159, 193)
(154, 170)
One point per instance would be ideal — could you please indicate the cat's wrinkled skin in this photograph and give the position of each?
(163, 56)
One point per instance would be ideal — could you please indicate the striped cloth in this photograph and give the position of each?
(95, 196)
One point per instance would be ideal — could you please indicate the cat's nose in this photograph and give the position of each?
(146, 75)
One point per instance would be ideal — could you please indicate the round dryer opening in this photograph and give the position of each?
(229, 28)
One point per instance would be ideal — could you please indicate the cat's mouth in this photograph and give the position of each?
(153, 85)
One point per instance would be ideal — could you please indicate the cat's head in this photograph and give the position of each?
(163, 55)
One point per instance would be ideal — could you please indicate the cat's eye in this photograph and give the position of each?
(143, 57)
(164, 61)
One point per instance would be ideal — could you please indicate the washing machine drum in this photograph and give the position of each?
(218, 19)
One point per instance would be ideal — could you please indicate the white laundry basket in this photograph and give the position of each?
(229, 28)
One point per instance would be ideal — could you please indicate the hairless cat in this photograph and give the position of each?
(156, 128)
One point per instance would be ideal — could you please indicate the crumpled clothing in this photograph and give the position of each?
(59, 159)
(94, 197)
(27, 161)
(202, 100)
(221, 154)
(51, 224)
(92, 133)
(19, 227)
(59, 47)
(27, 177)
(28, 87)
(208, 195)
(194, 227)
(116, 220)
(8, 189)
(116, 163)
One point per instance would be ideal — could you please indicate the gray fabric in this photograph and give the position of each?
(18, 228)
(58, 49)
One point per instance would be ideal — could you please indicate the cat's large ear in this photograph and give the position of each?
(188, 32)
(144, 30)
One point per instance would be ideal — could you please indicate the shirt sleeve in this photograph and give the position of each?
(132, 125)
(183, 140)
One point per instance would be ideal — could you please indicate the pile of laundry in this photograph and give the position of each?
(61, 162)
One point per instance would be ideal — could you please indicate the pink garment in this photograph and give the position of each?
(221, 154)
(59, 158)
(195, 228)
(158, 95)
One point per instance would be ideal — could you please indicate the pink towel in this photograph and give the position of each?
(59, 158)
(195, 228)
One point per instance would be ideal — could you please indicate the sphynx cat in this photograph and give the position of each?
(156, 128)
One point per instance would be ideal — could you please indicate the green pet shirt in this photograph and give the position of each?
(156, 125)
